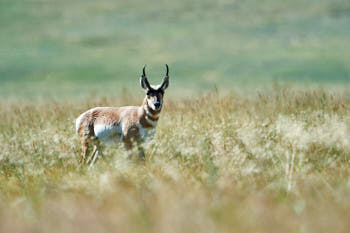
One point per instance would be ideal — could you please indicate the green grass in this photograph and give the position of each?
(276, 162)
(68, 48)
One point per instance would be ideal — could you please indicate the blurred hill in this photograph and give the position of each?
(66, 47)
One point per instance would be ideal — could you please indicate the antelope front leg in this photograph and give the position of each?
(92, 155)
(142, 156)
(94, 159)
(128, 147)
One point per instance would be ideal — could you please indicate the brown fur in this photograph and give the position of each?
(129, 117)
(133, 122)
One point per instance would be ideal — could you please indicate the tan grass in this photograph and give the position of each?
(268, 162)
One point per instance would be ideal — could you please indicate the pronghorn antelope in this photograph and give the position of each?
(129, 124)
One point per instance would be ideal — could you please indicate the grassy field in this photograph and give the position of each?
(66, 48)
(276, 162)
(254, 136)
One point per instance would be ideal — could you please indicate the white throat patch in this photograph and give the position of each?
(148, 111)
(151, 105)
(150, 121)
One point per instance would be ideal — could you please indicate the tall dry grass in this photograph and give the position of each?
(268, 162)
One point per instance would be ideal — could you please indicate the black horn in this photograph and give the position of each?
(144, 71)
(165, 83)
(144, 82)
(167, 70)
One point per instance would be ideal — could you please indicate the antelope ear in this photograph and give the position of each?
(143, 80)
(165, 82)
(144, 83)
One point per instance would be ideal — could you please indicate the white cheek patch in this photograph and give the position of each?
(150, 104)
(148, 112)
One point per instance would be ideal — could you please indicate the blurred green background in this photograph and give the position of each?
(70, 48)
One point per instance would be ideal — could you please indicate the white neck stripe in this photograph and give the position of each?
(153, 123)
(148, 111)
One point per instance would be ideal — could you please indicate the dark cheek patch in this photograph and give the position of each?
(159, 97)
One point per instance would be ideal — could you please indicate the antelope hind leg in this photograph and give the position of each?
(84, 151)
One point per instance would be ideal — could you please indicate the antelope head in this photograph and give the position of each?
(154, 94)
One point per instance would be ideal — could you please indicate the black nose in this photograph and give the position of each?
(157, 105)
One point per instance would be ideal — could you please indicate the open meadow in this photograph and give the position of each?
(254, 135)
(277, 162)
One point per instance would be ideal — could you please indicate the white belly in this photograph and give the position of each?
(109, 133)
